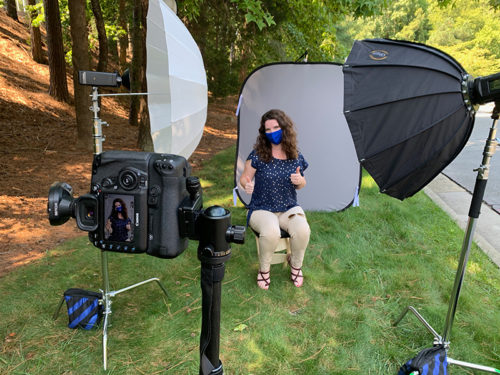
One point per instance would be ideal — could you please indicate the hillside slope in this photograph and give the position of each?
(37, 138)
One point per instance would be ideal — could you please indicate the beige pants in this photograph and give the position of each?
(268, 225)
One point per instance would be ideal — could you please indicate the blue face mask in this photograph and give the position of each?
(275, 137)
(119, 208)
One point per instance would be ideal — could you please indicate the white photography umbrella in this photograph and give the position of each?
(177, 83)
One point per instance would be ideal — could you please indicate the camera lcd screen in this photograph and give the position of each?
(119, 213)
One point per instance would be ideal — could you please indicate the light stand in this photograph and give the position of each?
(474, 211)
(107, 293)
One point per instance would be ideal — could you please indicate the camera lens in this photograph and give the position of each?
(128, 180)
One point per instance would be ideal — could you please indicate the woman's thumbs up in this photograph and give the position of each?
(296, 177)
(249, 185)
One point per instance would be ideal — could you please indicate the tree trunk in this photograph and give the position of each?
(101, 35)
(80, 58)
(123, 39)
(36, 37)
(57, 66)
(135, 71)
(11, 9)
(144, 140)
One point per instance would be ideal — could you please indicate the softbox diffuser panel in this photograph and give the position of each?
(406, 112)
(312, 95)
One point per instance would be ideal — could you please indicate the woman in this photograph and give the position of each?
(273, 172)
(118, 225)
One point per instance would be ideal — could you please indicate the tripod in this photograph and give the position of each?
(474, 211)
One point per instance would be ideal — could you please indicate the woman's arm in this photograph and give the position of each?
(246, 179)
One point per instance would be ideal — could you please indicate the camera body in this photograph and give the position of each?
(143, 202)
(149, 187)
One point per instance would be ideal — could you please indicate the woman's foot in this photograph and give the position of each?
(263, 280)
(296, 276)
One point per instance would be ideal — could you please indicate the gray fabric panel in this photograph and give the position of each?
(312, 95)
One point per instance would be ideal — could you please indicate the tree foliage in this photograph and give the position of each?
(467, 30)
(238, 35)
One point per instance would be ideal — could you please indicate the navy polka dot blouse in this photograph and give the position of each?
(273, 190)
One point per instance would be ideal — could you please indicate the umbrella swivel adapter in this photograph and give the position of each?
(411, 109)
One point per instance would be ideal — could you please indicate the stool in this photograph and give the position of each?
(280, 254)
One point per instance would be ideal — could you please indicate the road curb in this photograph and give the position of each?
(438, 195)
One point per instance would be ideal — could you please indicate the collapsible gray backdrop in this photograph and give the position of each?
(312, 95)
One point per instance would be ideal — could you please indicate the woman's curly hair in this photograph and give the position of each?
(124, 212)
(289, 142)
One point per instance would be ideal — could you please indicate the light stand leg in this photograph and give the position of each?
(108, 294)
(437, 337)
(474, 211)
(56, 313)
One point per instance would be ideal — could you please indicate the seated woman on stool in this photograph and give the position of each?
(278, 167)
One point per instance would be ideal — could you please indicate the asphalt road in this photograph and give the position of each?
(461, 169)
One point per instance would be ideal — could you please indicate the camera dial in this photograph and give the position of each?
(128, 179)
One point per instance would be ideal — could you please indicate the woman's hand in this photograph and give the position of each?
(249, 185)
(108, 226)
(297, 179)
(246, 179)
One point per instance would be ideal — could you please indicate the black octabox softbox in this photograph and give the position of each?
(406, 106)
(312, 95)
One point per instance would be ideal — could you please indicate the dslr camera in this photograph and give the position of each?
(138, 202)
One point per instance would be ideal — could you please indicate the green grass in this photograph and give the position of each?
(362, 268)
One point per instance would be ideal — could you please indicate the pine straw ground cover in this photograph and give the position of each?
(363, 267)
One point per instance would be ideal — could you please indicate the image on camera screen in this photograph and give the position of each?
(118, 217)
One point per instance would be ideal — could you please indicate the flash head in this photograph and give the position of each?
(102, 79)
(485, 89)
(60, 204)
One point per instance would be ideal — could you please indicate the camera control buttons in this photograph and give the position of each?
(155, 191)
(107, 182)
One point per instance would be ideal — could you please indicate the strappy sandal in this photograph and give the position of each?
(297, 277)
(261, 277)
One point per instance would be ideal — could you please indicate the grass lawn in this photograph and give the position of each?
(363, 267)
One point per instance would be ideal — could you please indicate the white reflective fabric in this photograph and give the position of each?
(177, 85)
